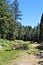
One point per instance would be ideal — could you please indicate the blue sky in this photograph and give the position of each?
(32, 11)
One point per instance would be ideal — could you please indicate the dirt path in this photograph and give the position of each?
(25, 59)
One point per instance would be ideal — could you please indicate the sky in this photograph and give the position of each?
(31, 11)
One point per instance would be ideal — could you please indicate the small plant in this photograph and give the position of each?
(8, 49)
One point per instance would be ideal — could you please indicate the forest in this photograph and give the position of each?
(19, 44)
(11, 28)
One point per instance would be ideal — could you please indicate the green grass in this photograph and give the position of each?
(7, 54)
(34, 51)
(21, 42)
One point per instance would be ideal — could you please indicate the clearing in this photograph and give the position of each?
(31, 56)
(27, 59)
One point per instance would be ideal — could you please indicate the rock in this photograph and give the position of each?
(1, 47)
(16, 46)
(41, 54)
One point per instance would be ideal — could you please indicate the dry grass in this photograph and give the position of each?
(26, 59)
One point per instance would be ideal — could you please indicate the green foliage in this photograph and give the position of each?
(7, 21)
(19, 41)
(16, 11)
(34, 51)
(5, 43)
(7, 56)
(11, 28)
(3, 17)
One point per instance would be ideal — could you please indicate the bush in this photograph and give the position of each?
(5, 43)
(24, 47)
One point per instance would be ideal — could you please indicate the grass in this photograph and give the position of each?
(34, 51)
(21, 42)
(7, 54)
(5, 42)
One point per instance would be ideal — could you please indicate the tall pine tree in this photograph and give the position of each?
(41, 28)
(3, 17)
(16, 10)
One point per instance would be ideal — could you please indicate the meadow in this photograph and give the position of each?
(7, 54)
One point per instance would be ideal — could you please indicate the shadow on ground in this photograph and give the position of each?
(40, 54)
(40, 46)
(40, 62)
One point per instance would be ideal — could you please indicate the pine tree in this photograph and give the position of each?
(16, 10)
(7, 21)
(3, 17)
(41, 28)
